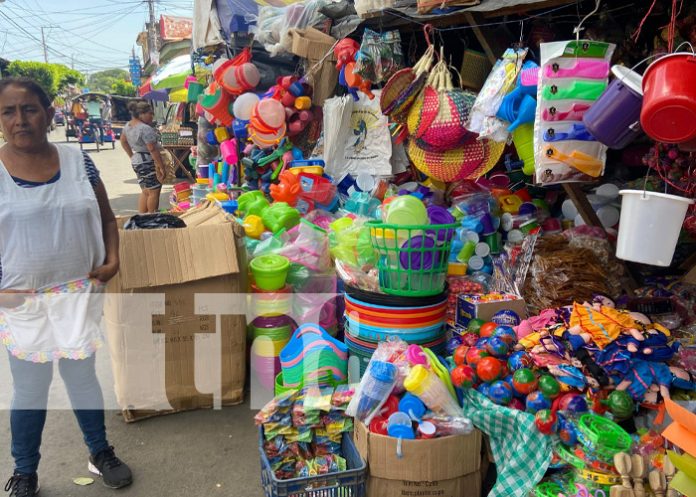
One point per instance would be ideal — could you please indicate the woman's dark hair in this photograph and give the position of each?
(29, 85)
(139, 107)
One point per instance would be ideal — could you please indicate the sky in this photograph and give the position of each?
(92, 35)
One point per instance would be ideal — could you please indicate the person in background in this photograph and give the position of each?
(58, 247)
(140, 141)
(94, 112)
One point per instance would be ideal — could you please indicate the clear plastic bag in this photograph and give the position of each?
(273, 23)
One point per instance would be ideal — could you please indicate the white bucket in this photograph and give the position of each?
(649, 226)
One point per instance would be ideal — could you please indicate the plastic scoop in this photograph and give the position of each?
(577, 132)
(577, 90)
(575, 113)
(582, 162)
(593, 69)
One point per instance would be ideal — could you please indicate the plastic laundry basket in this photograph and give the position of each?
(650, 225)
(412, 259)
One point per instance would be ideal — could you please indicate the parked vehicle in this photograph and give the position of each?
(59, 118)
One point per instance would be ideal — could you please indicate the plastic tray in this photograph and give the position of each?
(349, 483)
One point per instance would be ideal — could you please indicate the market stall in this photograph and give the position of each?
(470, 235)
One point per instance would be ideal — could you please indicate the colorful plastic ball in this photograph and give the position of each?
(475, 325)
(474, 356)
(459, 354)
(497, 347)
(489, 369)
(524, 381)
(545, 421)
(487, 329)
(519, 359)
(507, 334)
(567, 432)
(453, 343)
(620, 404)
(464, 376)
(549, 386)
(500, 393)
(573, 402)
(506, 317)
(469, 339)
(536, 402)
(483, 388)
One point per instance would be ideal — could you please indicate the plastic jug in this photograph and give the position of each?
(432, 391)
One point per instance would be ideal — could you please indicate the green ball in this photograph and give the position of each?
(475, 325)
(549, 386)
(620, 404)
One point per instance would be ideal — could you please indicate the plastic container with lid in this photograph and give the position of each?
(432, 391)
(270, 271)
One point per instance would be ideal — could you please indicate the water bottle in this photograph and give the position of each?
(375, 387)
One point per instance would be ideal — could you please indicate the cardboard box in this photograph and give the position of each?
(468, 309)
(444, 467)
(166, 356)
(313, 45)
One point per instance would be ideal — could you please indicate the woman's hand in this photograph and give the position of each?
(10, 299)
(160, 174)
(105, 272)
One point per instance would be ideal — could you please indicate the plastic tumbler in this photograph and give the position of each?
(432, 391)
(413, 406)
(375, 387)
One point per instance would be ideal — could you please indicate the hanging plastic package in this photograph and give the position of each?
(501, 81)
(573, 76)
(380, 56)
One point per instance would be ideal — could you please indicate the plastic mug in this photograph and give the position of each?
(427, 430)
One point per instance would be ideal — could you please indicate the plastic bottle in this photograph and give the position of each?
(432, 391)
(375, 387)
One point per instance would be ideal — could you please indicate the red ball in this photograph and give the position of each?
(460, 354)
(474, 355)
(545, 421)
(487, 329)
(489, 369)
(464, 376)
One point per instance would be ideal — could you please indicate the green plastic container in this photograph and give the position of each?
(412, 259)
(270, 271)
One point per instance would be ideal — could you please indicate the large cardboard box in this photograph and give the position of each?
(169, 351)
(469, 308)
(443, 467)
(316, 47)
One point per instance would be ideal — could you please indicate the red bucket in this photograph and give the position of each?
(669, 99)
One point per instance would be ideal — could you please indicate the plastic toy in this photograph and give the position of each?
(549, 386)
(489, 369)
(474, 356)
(228, 151)
(519, 359)
(536, 402)
(487, 329)
(524, 381)
(572, 402)
(546, 421)
(464, 376)
(500, 393)
(253, 226)
(280, 215)
(475, 325)
(287, 189)
(252, 203)
(459, 354)
(506, 334)
(345, 51)
(497, 347)
(620, 404)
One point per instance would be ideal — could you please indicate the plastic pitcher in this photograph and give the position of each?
(650, 225)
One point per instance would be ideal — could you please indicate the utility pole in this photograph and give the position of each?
(152, 35)
(43, 42)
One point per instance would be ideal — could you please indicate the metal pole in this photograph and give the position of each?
(151, 28)
(43, 42)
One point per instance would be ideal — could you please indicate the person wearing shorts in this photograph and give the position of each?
(139, 140)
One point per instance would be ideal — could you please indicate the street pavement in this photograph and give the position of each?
(194, 454)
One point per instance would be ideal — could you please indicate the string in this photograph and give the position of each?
(672, 26)
(636, 33)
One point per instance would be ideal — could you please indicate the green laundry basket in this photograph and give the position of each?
(412, 259)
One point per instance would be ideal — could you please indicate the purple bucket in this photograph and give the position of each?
(614, 119)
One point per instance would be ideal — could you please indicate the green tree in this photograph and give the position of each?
(103, 80)
(125, 88)
(38, 71)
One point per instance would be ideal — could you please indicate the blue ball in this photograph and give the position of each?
(483, 388)
(507, 334)
(500, 392)
(536, 402)
(518, 360)
(497, 347)
(453, 343)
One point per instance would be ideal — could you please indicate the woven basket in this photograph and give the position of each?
(169, 167)
(475, 69)
(451, 165)
(495, 152)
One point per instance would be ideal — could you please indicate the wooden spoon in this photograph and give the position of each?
(639, 471)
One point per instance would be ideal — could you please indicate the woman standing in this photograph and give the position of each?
(58, 246)
(140, 141)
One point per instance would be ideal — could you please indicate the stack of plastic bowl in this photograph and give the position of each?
(371, 318)
(268, 336)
